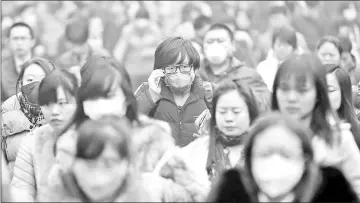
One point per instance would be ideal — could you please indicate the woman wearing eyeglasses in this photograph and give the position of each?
(174, 92)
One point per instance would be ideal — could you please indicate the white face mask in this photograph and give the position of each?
(276, 176)
(216, 54)
(350, 14)
(179, 83)
(97, 108)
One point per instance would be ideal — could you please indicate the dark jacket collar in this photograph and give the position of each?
(233, 66)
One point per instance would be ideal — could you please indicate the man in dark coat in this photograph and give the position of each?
(21, 41)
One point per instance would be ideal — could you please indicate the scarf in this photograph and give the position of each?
(32, 112)
(218, 160)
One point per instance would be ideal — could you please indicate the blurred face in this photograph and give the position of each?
(282, 49)
(347, 62)
(296, 97)
(79, 49)
(59, 114)
(329, 53)
(20, 41)
(334, 91)
(277, 161)
(350, 13)
(232, 114)
(33, 73)
(102, 177)
(114, 104)
(242, 20)
(344, 31)
(218, 46)
(278, 20)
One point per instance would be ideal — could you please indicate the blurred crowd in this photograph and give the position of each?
(160, 101)
(130, 31)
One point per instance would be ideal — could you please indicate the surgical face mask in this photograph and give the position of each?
(97, 108)
(277, 176)
(216, 54)
(350, 14)
(179, 82)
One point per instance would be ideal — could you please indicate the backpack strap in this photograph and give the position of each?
(153, 110)
(208, 86)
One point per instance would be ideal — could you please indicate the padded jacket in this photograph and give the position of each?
(15, 127)
(181, 119)
(33, 166)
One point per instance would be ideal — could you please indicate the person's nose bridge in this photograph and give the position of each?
(229, 116)
(292, 95)
(327, 57)
(55, 109)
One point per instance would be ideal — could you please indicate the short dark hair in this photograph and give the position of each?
(168, 52)
(278, 10)
(332, 39)
(285, 34)
(21, 24)
(221, 26)
(77, 30)
(201, 21)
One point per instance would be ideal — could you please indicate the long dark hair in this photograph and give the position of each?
(98, 76)
(223, 88)
(307, 186)
(346, 110)
(310, 67)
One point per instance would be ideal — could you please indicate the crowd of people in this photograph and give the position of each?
(180, 101)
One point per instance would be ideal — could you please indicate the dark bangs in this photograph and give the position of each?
(50, 84)
(95, 134)
(169, 51)
(303, 67)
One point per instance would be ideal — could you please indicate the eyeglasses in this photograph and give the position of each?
(20, 38)
(172, 69)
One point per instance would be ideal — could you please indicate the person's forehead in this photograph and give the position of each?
(20, 31)
(297, 78)
(34, 69)
(283, 138)
(231, 99)
(327, 46)
(217, 33)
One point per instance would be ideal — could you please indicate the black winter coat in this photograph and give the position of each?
(334, 188)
